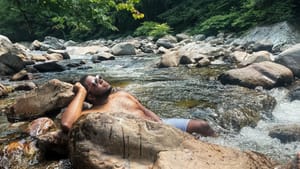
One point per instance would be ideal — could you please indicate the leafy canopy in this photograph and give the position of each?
(76, 19)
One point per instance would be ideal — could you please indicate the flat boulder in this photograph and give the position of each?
(105, 140)
(47, 98)
(50, 66)
(266, 74)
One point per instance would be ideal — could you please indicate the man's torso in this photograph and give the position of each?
(119, 101)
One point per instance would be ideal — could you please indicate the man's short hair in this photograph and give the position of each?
(83, 81)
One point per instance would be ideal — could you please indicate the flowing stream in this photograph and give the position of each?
(183, 92)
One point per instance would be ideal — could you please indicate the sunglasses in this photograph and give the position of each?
(96, 80)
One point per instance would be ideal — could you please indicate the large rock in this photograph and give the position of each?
(50, 66)
(266, 74)
(10, 60)
(169, 59)
(279, 35)
(124, 48)
(291, 59)
(48, 43)
(102, 140)
(286, 133)
(48, 98)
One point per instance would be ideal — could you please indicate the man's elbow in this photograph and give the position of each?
(66, 126)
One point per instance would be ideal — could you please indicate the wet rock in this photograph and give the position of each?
(23, 154)
(22, 75)
(10, 57)
(286, 133)
(102, 56)
(123, 48)
(54, 56)
(38, 57)
(50, 66)
(3, 90)
(128, 142)
(64, 53)
(294, 93)
(48, 98)
(265, 74)
(54, 144)
(76, 63)
(40, 126)
(291, 59)
(24, 86)
(51, 141)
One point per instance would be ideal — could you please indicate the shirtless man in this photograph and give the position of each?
(99, 92)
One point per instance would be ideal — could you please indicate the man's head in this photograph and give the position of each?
(96, 87)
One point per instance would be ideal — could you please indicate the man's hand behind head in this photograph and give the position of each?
(79, 88)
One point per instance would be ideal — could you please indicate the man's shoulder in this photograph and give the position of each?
(122, 93)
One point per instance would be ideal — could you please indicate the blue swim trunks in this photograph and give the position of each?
(176, 122)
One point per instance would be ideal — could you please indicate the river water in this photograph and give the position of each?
(183, 92)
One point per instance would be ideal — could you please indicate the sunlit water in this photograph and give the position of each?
(257, 139)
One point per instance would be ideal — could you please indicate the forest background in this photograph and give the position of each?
(27, 20)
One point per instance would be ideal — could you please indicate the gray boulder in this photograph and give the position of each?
(291, 59)
(10, 57)
(123, 48)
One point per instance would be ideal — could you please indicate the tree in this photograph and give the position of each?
(75, 19)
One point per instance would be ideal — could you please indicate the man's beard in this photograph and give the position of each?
(107, 93)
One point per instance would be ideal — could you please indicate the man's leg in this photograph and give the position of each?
(190, 126)
(201, 127)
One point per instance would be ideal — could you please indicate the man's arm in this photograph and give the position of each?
(150, 114)
(74, 109)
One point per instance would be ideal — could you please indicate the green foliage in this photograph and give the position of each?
(215, 24)
(153, 29)
(86, 19)
(69, 19)
(211, 17)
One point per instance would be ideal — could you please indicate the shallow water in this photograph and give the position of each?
(257, 139)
